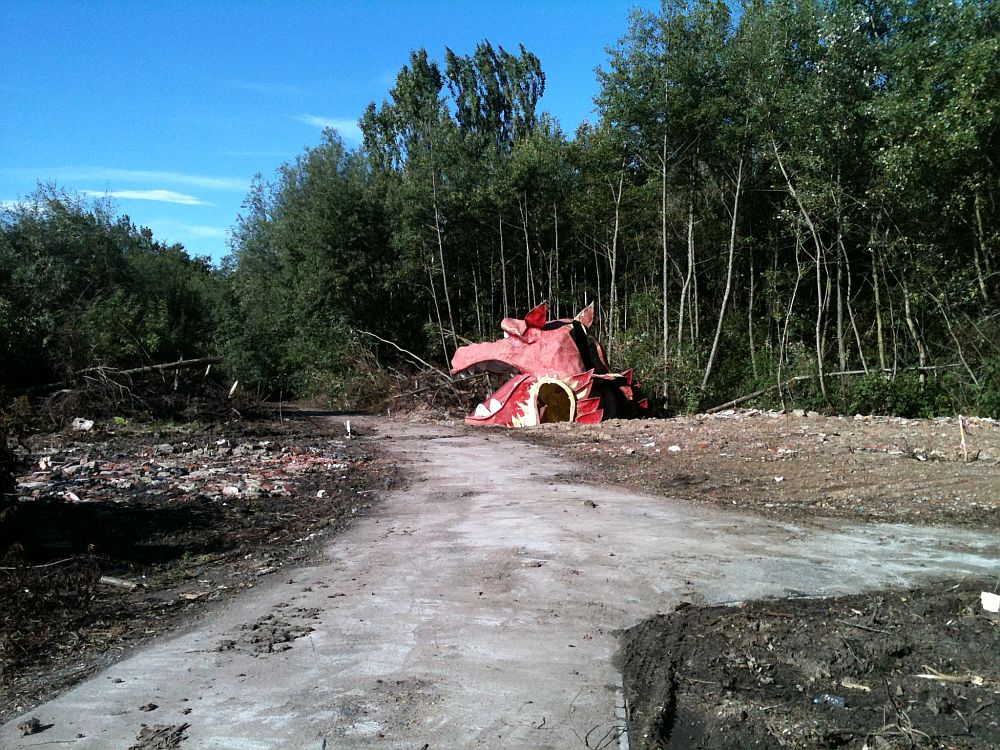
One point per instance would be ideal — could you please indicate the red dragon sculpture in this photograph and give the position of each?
(560, 374)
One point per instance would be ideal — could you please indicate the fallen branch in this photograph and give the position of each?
(761, 392)
(118, 582)
(181, 364)
(440, 385)
(863, 627)
(800, 378)
(42, 565)
(933, 674)
(852, 685)
(409, 354)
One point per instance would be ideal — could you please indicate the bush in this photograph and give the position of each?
(908, 394)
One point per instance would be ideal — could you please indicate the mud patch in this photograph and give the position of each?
(908, 669)
(160, 737)
(273, 633)
(393, 706)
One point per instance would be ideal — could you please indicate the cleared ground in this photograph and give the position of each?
(478, 607)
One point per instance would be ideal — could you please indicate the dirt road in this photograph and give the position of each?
(476, 608)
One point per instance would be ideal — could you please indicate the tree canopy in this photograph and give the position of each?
(795, 191)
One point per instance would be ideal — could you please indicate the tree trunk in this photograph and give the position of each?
(958, 344)
(437, 311)
(503, 270)
(475, 289)
(444, 274)
(879, 326)
(850, 310)
(597, 273)
(729, 277)
(783, 341)
(613, 263)
(750, 308)
(980, 247)
(529, 279)
(663, 238)
(555, 293)
(686, 286)
(820, 256)
(912, 326)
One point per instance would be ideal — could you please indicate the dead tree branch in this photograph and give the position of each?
(408, 353)
(104, 372)
(800, 378)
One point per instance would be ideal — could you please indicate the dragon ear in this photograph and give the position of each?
(538, 317)
(586, 316)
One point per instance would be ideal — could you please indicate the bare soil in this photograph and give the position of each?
(122, 534)
(194, 514)
(908, 669)
(800, 468)
(891, 669)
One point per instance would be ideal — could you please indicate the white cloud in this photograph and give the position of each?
(67, 174)
(348, 129)
(162, 196)
(200, 236)
(198, 230)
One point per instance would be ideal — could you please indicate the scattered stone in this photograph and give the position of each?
(31, 726)
(990, 601)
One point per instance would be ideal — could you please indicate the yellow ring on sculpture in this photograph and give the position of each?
(556, 397)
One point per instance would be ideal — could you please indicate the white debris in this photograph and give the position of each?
(991, 602)
(83, 425)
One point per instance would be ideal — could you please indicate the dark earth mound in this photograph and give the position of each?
(908, 669)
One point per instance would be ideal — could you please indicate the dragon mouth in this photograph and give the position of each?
(492, 366)
(525, 401)
(502, 405)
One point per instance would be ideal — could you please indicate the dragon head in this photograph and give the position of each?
(534, 346)
(555, 365)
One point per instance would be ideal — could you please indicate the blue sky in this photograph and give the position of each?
(171, 107)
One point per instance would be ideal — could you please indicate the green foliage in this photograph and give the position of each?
(311, 264)
(907, 394)
(80, 287)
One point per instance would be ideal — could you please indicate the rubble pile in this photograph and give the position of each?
(220, 469)
(117, 532)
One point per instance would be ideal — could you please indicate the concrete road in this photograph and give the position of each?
(475, 609)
